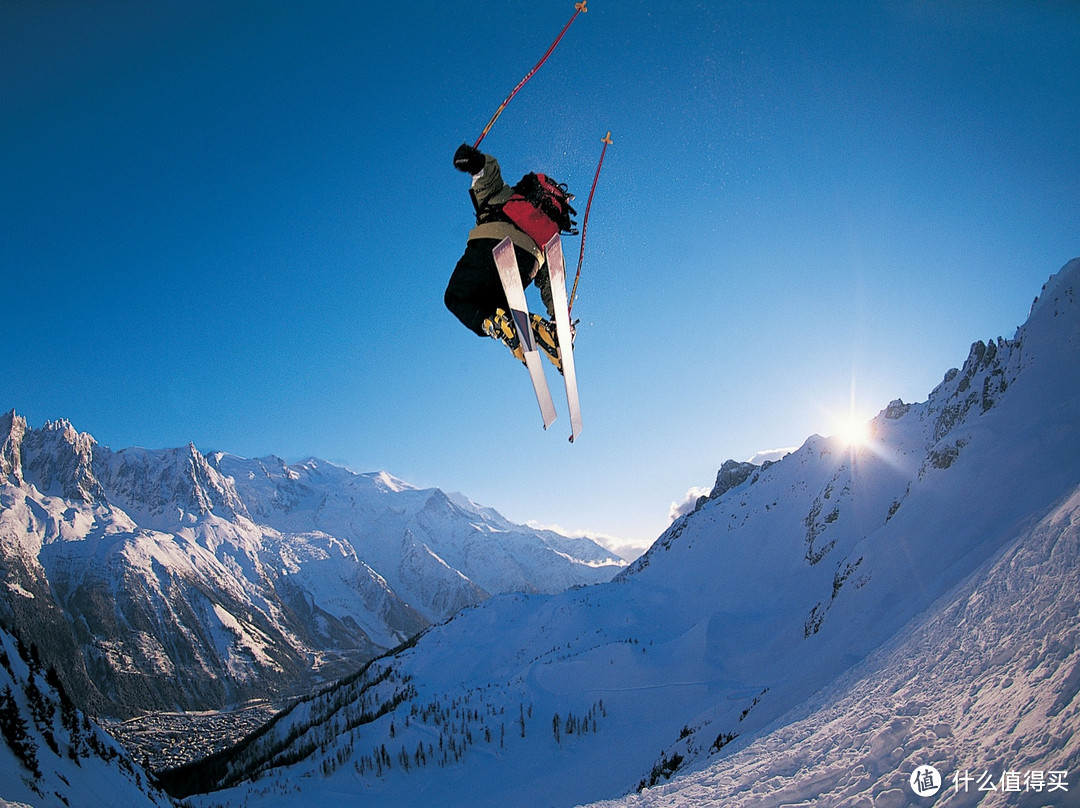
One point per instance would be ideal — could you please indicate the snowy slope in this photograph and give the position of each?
(781, 581)
(56, 756)
(169, 579)
(985, 682)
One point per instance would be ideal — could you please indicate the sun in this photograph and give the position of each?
(853, 431)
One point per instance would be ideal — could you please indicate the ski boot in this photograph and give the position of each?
(499, 326)
(547, 339)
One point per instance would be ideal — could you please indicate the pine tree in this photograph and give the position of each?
(14, 729)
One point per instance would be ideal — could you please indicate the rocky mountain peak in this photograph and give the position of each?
(12, 431)
(731, 474)
(56, 459)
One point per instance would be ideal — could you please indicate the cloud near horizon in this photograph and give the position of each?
(771, 455)
(625, 549)
(689, 502)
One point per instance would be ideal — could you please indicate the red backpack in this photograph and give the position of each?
(540, 208)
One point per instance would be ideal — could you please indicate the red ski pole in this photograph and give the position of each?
(606, 139)
(578, 8)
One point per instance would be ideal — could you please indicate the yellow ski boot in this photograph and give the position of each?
(499, 326)
(547, 339)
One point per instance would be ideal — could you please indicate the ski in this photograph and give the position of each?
(557, 270)
(510, 276)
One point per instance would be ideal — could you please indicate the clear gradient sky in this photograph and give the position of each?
(231, 223)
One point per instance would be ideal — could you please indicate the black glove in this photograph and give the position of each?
(468, 159)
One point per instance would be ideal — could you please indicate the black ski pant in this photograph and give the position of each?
(475, 291)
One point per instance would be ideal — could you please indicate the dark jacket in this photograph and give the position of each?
(489, 192)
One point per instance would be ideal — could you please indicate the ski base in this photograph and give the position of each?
(510, 276)
(557, 270)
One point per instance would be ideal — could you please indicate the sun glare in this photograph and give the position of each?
(853, 431)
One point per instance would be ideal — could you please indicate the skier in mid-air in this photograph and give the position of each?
(527, 213)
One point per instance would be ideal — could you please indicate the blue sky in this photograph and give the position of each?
(232, 224)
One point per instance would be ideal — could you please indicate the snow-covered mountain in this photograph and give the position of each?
(982, 685)
(439, 551)
(52, 755)
(169, 579)
(817, 574)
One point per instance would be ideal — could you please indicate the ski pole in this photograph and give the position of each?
(578, 8)
(606, 140)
